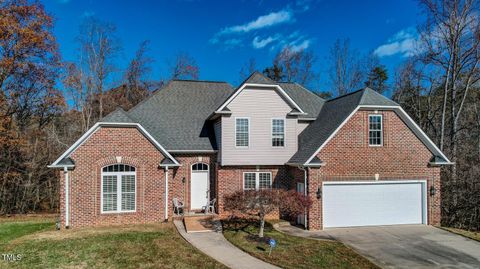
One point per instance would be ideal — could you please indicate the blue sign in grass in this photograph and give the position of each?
(272, 244)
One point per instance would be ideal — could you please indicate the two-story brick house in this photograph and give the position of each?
(360, 157)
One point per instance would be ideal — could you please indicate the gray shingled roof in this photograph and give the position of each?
(176, 114)
(119, 115)
(333, 113)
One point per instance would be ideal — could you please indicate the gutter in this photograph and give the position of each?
(305, 193)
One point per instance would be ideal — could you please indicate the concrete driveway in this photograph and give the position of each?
(410, 246)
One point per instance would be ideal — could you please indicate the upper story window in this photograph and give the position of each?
(257, 180)
(278, 132)
(242, 129)
(375, 130)
(118, 188)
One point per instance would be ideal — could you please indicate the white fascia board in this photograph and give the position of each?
(331, 136)
(77, 143)
(61, 166)
(441, 163)
(97, 125)
(397, 108)
(282, 92)
(425, 135)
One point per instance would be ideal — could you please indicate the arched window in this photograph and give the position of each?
(200, 167)
(119, 183)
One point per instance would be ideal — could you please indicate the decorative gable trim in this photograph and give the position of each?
(221, 109)
(408, 121)
(97, 126)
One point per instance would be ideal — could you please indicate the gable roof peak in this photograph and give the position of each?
(372, 97)
(258, 78)
(118, 115)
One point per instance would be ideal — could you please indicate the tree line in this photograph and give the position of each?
(46, 103)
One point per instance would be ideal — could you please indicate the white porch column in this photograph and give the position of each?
(166, 193)
(67, 205)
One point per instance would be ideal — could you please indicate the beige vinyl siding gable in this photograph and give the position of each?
(260, 106)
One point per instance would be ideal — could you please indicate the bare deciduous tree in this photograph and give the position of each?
(247, 69)
(184, 67)
(345, 68)
(98, 48)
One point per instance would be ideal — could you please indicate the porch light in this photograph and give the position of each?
(319, 193)
(432, 190)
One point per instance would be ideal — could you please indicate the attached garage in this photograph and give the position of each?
(348, 204)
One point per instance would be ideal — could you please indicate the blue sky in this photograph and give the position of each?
(223, 35)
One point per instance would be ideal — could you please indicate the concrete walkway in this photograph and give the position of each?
(216, 246)
(403, 246)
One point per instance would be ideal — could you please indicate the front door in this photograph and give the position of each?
(199, 191)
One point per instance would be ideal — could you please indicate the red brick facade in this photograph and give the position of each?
(230, 179)
(348, 157)
(130, 147)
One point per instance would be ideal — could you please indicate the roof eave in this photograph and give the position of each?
(440, 163)
(97, 125)
(60, 166)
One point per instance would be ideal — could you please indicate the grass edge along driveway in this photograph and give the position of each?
(292, 251)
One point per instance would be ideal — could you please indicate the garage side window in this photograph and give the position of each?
(257, 180)
(375, 130)
(119, 182)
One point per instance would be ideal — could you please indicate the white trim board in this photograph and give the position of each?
(277, 87)
(97, 126)
(401, 113)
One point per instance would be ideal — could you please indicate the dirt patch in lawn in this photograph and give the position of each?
(92, 231)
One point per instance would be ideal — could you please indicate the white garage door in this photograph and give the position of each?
(376, 203)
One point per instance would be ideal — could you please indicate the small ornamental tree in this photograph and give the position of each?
(260, 203)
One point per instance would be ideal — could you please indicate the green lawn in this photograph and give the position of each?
(292, 251)
(134, 246)
(469, 234)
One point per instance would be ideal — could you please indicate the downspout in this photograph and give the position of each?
(305, 193)
(67, 210)
(166, 193)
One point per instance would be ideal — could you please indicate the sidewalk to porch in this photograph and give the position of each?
(216, 246)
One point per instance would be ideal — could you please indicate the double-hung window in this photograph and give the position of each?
(278, 132)
(375, 130)
(118, 188)
(257, 180)
(242, 129)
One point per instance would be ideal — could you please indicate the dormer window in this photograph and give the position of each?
(278, 132)
(375, 130)
(242, 129)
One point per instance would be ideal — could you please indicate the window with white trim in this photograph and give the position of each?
(242, 129)
(257, 180)
(278, 132)
(375, 130)
(118, 188)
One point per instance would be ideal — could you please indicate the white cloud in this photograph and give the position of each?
(258, 43)
(264, 21)
(299, 45)
(403, 42)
